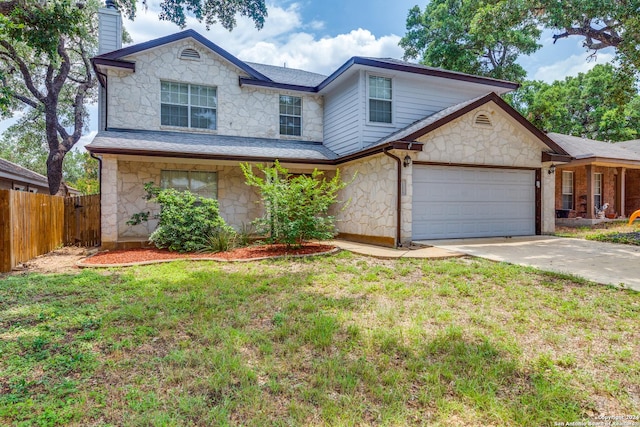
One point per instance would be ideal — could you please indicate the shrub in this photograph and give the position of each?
(296, 207)
(186, 221)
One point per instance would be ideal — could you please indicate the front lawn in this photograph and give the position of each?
(341, 340)
(613, 232)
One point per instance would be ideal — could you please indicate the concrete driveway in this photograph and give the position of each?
(606, 263)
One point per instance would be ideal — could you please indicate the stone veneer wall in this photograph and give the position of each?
(504, 143)
(371, 210)
(134, 97)
(238, 202)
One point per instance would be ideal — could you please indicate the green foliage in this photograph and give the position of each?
(221, 240)
(601, 104)
(45, 72)
(186, 222)
(25, 144)
(461, 35)
(207, 11)
(296, 207)
(485, 37)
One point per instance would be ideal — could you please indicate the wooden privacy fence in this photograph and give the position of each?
(82, 220)
(34, 224)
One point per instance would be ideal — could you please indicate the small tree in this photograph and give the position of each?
(296, 206)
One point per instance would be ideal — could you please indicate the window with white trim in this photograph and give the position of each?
(597, 190)
(380, 100)
(567, 190)
(290, 115)
(204, 184)
(186, 105)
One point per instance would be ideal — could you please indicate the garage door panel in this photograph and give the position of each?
(452, 202)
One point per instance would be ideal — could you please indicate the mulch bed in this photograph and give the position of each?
(127, 256)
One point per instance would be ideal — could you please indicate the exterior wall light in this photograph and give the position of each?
(407, 161)
(552, 169)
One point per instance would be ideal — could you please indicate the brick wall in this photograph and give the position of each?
(632, 200)
(580, 188)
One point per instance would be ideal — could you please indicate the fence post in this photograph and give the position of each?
(5, 231)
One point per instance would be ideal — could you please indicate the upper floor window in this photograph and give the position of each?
(380, 99)
(204, 184)
(189, 106)
(290, 115)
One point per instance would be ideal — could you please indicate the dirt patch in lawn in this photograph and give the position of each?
(241, 254)
(60, 261)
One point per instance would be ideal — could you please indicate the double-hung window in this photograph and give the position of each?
(204, 184)
(186, 105)
(567, 190)
(290, 115)
(597, 190)
(380, 95)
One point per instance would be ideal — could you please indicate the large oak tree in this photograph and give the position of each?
(45, 47)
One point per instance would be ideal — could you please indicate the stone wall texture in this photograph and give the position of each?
(370, 197)
(134, 97)
(238, 202)
(505, 143)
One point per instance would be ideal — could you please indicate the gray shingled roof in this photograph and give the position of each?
(633, 145)
(171, 143)
(290, 76)
(8, 168)
(583, 148)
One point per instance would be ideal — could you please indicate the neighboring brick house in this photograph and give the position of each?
(600, 172)
(437, 153)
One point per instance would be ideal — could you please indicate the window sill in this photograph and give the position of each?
(188, 130)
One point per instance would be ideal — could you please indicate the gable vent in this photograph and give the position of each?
(189, 54)
(483, 120)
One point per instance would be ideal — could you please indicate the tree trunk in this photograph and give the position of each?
(54, 170)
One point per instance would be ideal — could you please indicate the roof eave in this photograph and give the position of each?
(271, 84)
(130, 50)
(356, 60)
(397, 145)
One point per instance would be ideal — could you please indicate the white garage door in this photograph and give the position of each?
(456, 202)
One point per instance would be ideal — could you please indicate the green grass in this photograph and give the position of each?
(342, 340)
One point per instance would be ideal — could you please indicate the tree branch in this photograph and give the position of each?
(24, 70)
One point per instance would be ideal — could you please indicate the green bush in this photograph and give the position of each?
(296, 207)
(186, 222)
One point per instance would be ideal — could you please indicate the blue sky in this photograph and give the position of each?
(319, 36)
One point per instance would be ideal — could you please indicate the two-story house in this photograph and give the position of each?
(435, 153)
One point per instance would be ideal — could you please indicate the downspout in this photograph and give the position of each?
(106, 96)
(399, 198)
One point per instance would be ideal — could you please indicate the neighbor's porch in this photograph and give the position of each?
(582, 191)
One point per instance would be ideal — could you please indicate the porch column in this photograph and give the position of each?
(621, 191)
(590, 185)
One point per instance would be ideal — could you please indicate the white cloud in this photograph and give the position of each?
(84, 140)
(283, 39)
(571, 66)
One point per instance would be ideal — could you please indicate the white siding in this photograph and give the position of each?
(342, 118)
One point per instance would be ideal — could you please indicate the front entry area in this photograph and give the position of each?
(462, 202)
